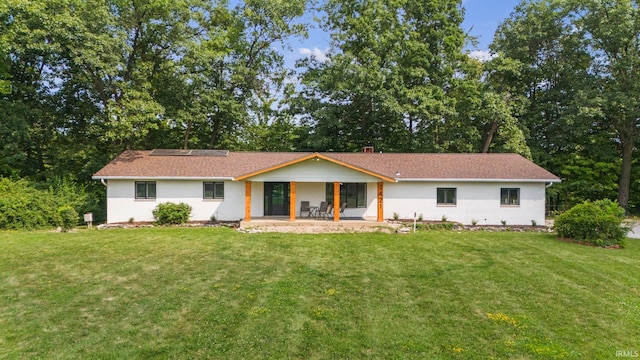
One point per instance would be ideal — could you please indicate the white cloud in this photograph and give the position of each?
(481, 55)
(320, 55)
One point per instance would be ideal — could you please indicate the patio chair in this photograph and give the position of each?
(342, 207)
(329, 211)
(304, 207)
(322, 210)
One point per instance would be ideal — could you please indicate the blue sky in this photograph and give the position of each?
(485, 15)
(481, 19)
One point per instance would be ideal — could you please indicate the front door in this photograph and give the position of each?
(276, 198)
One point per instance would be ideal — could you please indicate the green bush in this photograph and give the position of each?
(67, 217)
(25, 205)
(68, 192)
(611, 207)
(171, 214)
(598, 223)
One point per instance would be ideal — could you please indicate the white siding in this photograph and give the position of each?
(475, 201)
(314, 171)
(257, 199)
(122, 205)
(314, 193)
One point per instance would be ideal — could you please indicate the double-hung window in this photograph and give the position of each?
(510, 196)
(354, 194)
(145, 189)
(446, 196)
(213, 190)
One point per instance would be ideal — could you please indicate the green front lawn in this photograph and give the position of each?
(215, 293)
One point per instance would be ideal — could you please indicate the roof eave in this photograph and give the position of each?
(99, 177)
(477, 180)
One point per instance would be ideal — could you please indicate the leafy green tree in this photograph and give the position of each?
(5, 83)
(590, 179)
(27, 110)
(235, 70)
(551, 62)
(273, 127)
(79, 74)
(486, 109)
(134, 49)
(91, 78)
(389, 78)
(579, 64)
(612, 34)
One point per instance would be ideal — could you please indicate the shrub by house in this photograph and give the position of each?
(171, 214)
(598, 223)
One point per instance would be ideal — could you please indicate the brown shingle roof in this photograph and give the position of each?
(449, 166)
(139, 164)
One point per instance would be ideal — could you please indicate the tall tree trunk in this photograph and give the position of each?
(215, 131)
(489, 137)
(186, 135)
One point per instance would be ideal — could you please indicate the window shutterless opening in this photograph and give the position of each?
(446, 196)
(354, 194)
(145, 189)
(213, 190)
(509, 196)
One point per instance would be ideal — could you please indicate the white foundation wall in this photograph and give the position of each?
(122, 205)
(475, 202)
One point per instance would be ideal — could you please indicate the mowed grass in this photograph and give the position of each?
(214, 293)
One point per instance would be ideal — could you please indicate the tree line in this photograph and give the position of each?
(83, 80)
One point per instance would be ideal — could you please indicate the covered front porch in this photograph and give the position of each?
(316, 180)
(281, 201)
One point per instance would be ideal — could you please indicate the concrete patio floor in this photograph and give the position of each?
(310, 225)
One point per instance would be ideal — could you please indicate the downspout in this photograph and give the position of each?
(105, 185)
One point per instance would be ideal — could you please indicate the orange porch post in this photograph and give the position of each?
(292, 201)
(336, 201)
(247, 201)
(380, 197)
